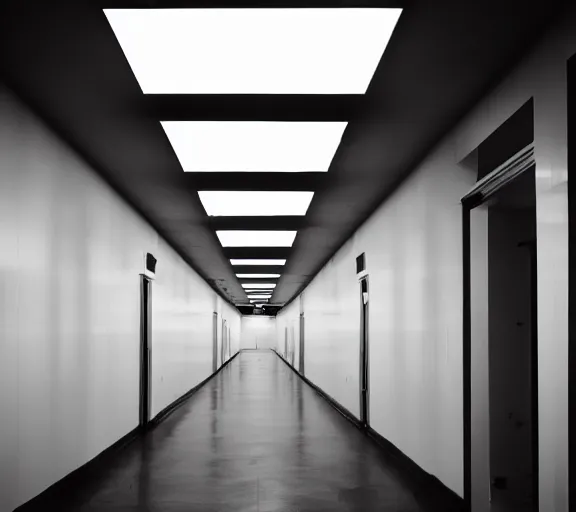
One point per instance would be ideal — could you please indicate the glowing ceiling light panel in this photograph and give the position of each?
(254, 146)
(259, 296)
(256, 276)
(253, 51)
(241, 203)
(256, 238)
(257, 262)
(261, 286)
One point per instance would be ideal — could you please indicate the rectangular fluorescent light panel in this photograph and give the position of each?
(256, 276)
(259, 301)
(254, 146)
(257, 262)
(225, 203)
(263, 286)
(256, 238)
(259, 296)
(253, 51)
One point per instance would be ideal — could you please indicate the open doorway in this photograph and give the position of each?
(145, 348)
(364, 356)
(501, 340)
(513, 346)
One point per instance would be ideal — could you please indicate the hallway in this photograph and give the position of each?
(254, 438)
(323, 249)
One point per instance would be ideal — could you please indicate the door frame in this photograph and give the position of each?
(301, 341)
(223, 345)
(229, 343)
(532, 247)
(571, 125)
(145, 350)
(292, 345)
(214, 342)
(484, 189)
(364, 353)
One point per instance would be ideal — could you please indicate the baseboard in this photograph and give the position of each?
(67, 486)
(339, 407)
(423, 484)
(164, 413)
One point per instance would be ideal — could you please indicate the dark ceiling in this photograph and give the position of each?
(64, 60)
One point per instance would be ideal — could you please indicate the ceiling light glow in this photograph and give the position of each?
(256, 238)
(263, 286)
(253, 51)
(254, 146)
(256, 276)
(259, 296)
(240, 203)
(257, 262)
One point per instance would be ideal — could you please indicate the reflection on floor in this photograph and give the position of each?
(255, 438)
(501, 502)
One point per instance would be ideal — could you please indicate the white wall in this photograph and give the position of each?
(289, 318)
(414, 260)
(182, 309)
(332, 328)
(543, 76)
(181, 330)
(71, 255)
(234, 322)
(258, 331)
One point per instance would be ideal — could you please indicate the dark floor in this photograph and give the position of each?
(254, 438)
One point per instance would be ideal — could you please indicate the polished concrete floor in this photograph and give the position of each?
(255, 438)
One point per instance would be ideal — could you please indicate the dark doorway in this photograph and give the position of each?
(513, 345)
(364, 356)
(572, 280)
(500, 338)
(145, 348)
